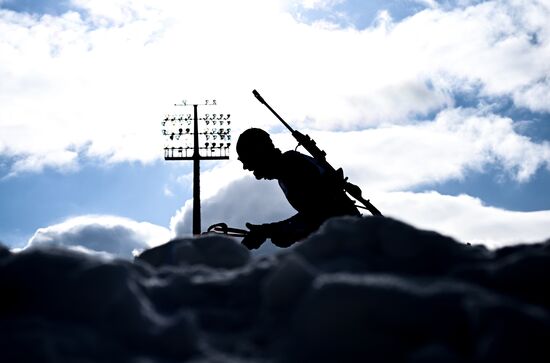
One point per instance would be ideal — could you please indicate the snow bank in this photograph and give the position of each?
(359, 289)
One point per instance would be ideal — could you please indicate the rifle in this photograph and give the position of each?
(320, 156)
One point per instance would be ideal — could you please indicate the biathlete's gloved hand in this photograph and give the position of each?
(257, 235)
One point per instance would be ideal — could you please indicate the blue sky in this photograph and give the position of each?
(356, 13)
(428, 105)
(130, 190)
(37, 7)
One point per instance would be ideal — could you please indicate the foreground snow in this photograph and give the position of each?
(360, 289)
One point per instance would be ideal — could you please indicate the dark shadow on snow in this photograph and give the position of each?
(357, 290)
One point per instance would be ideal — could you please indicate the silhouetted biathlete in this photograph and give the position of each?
(304, 183)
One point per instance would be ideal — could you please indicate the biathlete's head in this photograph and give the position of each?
(258, 154)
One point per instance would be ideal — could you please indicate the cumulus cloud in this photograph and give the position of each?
(116, 236)
(462, 217)
(99, 77)
(400, 157)
(458, 141)
(241, 201)
(245, 200)
(319, 4)
(534, 96)
(466, 218)
(428, 3)
(455, 143)
(95, 81)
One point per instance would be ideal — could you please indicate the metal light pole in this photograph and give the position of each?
(196, 175)
(174, 127)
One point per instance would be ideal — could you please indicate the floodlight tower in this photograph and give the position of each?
(204, 144)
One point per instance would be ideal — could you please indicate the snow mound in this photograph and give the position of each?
(357, 290)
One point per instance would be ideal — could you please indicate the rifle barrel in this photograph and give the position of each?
(261, 99)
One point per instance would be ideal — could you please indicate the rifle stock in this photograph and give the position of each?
(311, 147)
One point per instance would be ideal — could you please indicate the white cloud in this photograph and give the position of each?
(168, 192)
(398, 157)
(457, 142)
(65, 160)
(535, 96)
(462, 217)
(240, 201)
(98, 83)
(319, 4)
(102, 234)
(466, 218)
(427, 3)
